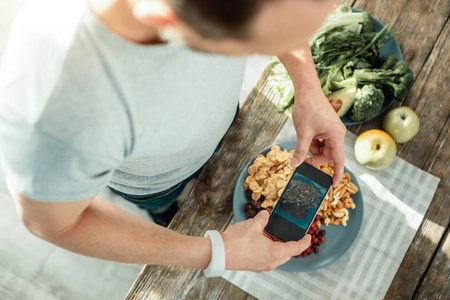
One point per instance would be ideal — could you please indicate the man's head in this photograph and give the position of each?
(236, 27)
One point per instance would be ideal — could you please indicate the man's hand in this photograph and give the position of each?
(319, 129)
(248, 248)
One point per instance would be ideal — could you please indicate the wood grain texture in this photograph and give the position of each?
(419, 22)
(436, 285)
(429, 151)
(419, 256)
(430, 102)
(209, 204)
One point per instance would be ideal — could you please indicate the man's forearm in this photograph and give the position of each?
(300, 66)
(106, 231)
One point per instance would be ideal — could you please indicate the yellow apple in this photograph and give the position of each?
(401, 123)
(375, 149)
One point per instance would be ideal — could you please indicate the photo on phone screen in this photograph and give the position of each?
(299, 203)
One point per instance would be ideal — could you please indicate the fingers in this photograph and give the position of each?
(316, 147)
(337, 153)
(318, 160)
(301, 150)
(290, 249)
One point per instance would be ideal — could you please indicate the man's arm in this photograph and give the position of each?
(319, 129)
(96, 228)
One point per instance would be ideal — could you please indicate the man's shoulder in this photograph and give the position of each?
(40, 38)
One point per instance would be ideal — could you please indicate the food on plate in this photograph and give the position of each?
(342, 100)
(402, 124)
(346, 53)
(368, 103)
(395, 81)
(334, 209)
(317, 239)
(375, 149)
(267, 177)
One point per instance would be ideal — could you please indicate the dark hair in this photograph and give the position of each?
(218, 18)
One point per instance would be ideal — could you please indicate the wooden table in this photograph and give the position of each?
(425, 269)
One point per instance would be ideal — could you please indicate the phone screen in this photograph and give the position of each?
(299, 203)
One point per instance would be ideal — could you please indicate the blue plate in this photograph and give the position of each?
(390, 47)
(338, 238)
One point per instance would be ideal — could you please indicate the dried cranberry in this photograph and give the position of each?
(255, 204)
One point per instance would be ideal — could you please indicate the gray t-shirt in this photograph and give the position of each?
(81, 108)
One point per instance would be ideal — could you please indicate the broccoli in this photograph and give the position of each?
(396, 81)
(368, 103)
(352, 65)
(368, 24)
(388, 62)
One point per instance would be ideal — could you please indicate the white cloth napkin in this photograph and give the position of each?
(395, 201)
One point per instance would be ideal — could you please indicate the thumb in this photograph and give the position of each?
(301, 150)
(262, 218)
(295, 248)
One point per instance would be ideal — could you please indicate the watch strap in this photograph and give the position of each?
(216, 266)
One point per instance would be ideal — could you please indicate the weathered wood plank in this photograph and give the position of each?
(424, 42)
(436, 281)
(431, 103)
(209, 204)
(428, 150)
(420, 23)
(426, 241)
(436, 285)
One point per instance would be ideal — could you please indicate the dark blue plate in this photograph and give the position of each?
(338, 238)
(390, 47)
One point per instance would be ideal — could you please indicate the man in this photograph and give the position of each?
(93, 95)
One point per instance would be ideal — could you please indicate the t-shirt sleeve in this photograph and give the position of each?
(44, 167)
(61, 135)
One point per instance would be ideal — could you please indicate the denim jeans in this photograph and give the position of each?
(162, 200)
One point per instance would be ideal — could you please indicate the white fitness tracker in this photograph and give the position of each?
(217, 265)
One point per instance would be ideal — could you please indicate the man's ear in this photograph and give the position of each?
(155, 13)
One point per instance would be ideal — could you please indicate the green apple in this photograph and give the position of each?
(375, 149)
(401, 123)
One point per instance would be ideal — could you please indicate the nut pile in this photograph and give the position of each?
(267, 177)
(334, 209)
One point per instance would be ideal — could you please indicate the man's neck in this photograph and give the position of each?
(117, 16)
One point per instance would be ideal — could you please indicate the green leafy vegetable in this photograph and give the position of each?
(281, 83)
(346, 53)
(368, 103)
(395, 82)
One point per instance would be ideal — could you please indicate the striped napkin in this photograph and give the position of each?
(395, 202)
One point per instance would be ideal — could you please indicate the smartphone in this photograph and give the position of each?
(299, 203)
